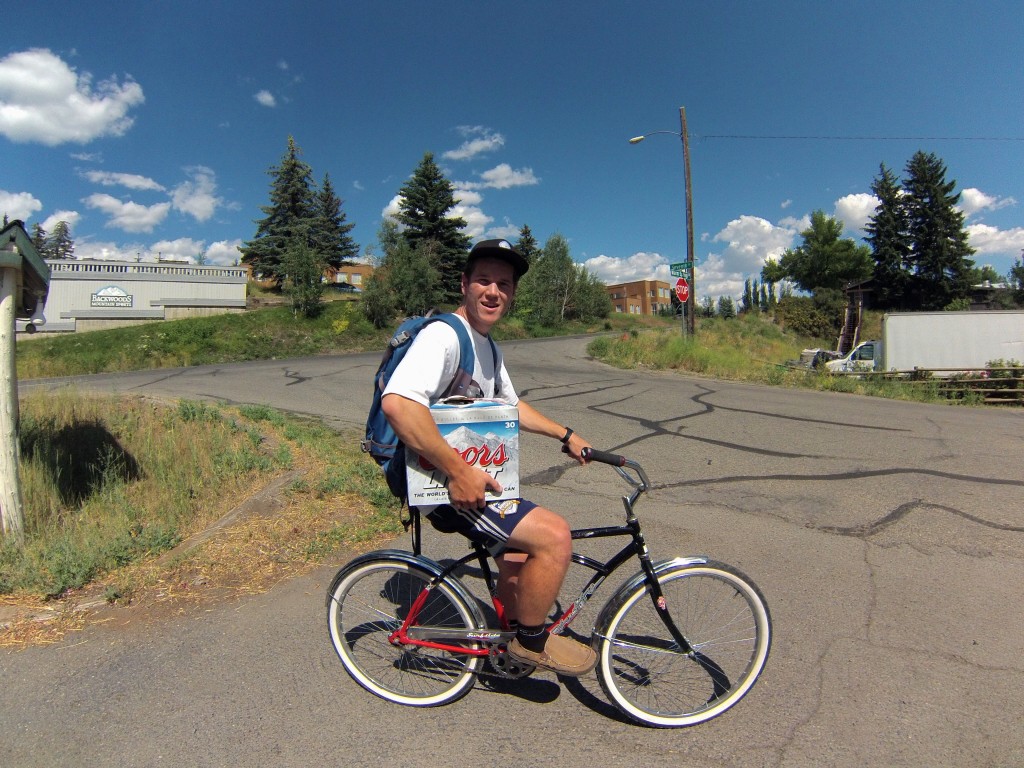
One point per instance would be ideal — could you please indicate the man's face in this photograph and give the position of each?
(487, 292)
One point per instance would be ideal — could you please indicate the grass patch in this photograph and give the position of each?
(256, 335)
(752, 348)
(112, 484)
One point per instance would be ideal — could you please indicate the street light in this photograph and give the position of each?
(685, 136)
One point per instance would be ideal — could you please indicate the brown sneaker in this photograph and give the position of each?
(561, 654)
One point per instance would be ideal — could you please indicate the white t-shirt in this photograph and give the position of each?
(433, 360)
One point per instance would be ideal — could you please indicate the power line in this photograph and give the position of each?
(862, 138)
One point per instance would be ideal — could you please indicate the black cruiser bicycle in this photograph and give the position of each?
(678, 643)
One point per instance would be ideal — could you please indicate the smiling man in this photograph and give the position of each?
(531, 544)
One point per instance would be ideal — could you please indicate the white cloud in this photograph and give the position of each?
(751, 240)
(129, 180)
(785, 204)
(467, 196)
(392, 209)
(224, 252)
(18, 205)
(129, 216)
(502, 176)
(71, 218)
(197, 197)
(639, 266)
(181, 249)
(266, 98)
(106, 251)
(974, 200)
(479, 140)
(44, 100)
(855, 211)
(712, 276)
(476, 220)
(508, 231)
(87, 157)
(988, 240)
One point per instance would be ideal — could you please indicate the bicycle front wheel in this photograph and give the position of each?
(725, 619)
(367, 602)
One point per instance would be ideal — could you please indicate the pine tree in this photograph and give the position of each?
(426, 200)
(726, 307)
(39, 240)
(287, 217)
(329, 233)
(526, 245)
(889, 238)
(59, 244)
(939, 249)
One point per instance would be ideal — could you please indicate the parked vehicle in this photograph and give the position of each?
(944, 342)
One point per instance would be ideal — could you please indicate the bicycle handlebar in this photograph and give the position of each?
(602, 457)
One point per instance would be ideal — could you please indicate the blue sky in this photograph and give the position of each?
(150, 127)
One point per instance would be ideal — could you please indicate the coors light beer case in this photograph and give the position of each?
(485, 433)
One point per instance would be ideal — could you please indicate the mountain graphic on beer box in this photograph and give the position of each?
(485, 433)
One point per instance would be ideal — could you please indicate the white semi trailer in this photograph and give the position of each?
(942, 341)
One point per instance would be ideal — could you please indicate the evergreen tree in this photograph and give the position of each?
(39, 240)
(287, 218)
(329, 233)
(823, 261)
(726, 307)
(526, 245)
(889, 238)
(59, 244)
(939, 250)
(707, 307)
(426, 200)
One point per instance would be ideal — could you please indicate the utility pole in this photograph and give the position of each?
(690, 299)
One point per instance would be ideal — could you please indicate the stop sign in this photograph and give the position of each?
(682, 289)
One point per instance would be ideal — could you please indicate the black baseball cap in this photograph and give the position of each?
(498, 249)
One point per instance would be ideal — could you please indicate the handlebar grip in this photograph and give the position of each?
(612, 459)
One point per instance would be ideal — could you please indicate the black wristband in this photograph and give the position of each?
(564, 440)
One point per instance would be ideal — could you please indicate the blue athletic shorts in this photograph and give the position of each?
(490, 526)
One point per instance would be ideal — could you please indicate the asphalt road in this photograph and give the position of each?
(888, 538)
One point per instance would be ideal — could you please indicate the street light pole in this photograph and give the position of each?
(684, 134)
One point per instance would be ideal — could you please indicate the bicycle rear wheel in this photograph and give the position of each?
(368, 600)
(725, 619)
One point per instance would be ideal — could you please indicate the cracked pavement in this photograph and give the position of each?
(888, 538)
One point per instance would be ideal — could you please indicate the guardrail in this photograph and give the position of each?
(1002, 385)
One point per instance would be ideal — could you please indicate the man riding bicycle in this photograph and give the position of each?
(532, 545)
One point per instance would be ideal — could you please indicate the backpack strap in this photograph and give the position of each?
(467, 358)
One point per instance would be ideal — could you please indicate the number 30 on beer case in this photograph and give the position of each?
(485, 433)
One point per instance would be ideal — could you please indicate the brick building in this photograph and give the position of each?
(640, 297)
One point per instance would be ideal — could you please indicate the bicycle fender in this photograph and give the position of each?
(425, 563)
(636, 580)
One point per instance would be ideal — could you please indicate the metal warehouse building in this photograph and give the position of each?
(91, 295)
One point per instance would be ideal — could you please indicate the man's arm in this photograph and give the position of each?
(534, 421)
(415, 427)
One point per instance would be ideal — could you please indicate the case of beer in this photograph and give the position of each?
(485, 433)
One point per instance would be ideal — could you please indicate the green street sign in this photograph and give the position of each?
(680, 269)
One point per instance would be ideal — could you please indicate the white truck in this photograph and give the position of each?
(945, 342)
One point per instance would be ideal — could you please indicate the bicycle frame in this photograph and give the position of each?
(432, 637)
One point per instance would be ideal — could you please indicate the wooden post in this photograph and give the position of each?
(10, 483)
(691, 298)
